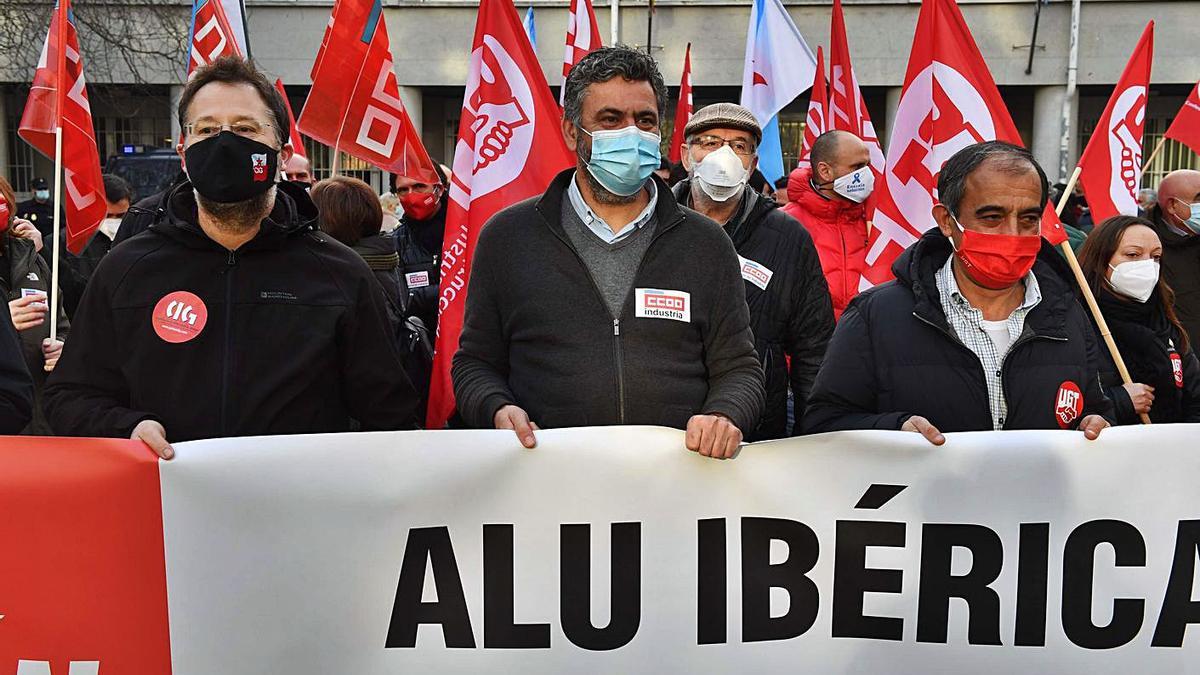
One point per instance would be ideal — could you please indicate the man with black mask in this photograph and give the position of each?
(231, 315)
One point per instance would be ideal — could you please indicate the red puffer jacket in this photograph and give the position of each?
(838, 228)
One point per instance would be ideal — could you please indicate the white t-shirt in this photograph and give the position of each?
(998, 332)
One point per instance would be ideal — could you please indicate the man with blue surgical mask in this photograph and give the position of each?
(605, 302)
(38, 210)
(1176, 218)
(790, 310)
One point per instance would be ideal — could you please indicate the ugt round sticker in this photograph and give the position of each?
(1068, 404)
(179, 317)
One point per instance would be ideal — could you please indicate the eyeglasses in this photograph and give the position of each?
(243, 128)
(714, 143)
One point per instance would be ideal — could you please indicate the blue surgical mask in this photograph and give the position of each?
(623, 159)
(41, 195)
(1193, 223)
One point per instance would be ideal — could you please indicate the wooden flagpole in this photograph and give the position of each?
(1090, 297)
(1161, 142)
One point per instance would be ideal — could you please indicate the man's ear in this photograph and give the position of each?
(823, 173)
(570, 134)
(944, 220)
(685, 158)
(285, 154)
(179, 150)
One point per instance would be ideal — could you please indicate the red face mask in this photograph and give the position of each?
(996, 261)
(4, 213)
(420, 205)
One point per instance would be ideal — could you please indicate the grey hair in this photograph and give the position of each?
(603, 65)
(1150, 192)
(952, 179)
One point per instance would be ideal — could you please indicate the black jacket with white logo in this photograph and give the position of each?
(790, 309)
(895, 355)
(286, 335)
(538, 333)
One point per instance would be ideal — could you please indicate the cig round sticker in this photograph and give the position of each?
(179, 317)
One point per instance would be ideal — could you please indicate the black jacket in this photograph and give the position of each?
(25, 269)
(16, 389)
(1181, 271)
(895, 355)
(1149, 344)
(419, 243)
(538, 334)
(793, 317)
(296, 338)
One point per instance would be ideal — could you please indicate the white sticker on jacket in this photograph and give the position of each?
(655, 303)
(417, 279)
(756, 273)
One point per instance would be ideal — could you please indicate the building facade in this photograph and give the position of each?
(431, 39)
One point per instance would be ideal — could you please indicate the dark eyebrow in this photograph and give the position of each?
(609, 110)
(988, 207)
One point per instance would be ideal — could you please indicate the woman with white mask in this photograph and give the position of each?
(1121, 260)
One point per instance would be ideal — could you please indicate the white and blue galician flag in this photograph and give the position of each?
(530, 28)
(779, 67)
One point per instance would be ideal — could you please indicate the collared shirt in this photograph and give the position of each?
(969, 325)
(597, 225)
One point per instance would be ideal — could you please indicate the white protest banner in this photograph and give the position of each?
(607, 550)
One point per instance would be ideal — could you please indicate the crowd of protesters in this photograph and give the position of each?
(248, 300)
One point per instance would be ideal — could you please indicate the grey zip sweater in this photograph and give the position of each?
(538, 333)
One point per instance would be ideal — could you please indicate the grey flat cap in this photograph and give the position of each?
(723, 116)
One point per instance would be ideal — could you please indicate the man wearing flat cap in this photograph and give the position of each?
(604, 301)
(790, 309)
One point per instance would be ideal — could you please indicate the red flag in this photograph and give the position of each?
(354, 105)
(816, 123)
(949, 101)
(211, 35)
(297, 142)
(510, 146)
(58, 97)
(1112, 160)
(847, 109)
(1186, 127)
(683, 109)
(583, 36)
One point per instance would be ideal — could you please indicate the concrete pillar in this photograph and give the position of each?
(1047, 128)
(414, 105)
(890, 108)
(176, 93)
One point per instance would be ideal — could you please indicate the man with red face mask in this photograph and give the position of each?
(419, 241)
(979, 331)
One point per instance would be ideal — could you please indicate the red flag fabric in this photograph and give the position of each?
(1186, 127)
(847, 109)
(297, 142)
(683, 109)
(510, 146)
(1112, 160)
(59, 97)
(949, 101)
(816, 123)
(583, 36)
(211, 35)
(354, 105)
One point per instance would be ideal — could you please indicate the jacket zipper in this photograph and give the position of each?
(620, 371)
(230, 263)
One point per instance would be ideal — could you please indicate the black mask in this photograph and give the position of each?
(228, 168)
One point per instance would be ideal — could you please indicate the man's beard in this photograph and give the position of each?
(603, 195)
(239, 217)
